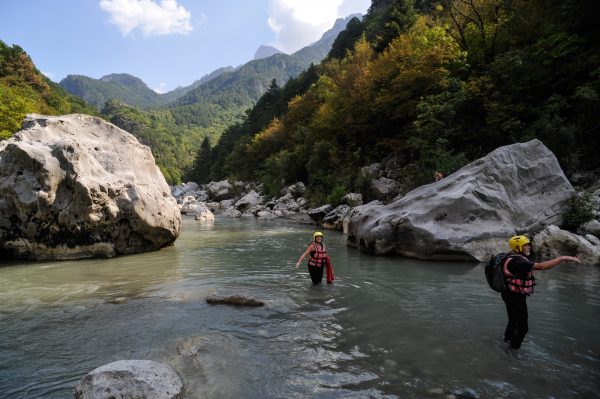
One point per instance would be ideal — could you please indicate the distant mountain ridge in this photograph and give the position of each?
(205, 110)
(246, 83)
(266, 51)
(123, 87)
(128, 89)
(243, 86)
(173, 95)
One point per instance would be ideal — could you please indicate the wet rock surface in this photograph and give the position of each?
(235, 300)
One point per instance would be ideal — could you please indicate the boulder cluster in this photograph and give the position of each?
(245, 200)
(516, 189)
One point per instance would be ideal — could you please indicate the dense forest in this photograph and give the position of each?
(434, 84)
(24, 90)
(429, 84)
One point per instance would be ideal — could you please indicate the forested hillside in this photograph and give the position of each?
(123, 87)
(24, 90)
(433, 84)
(199, 113)
(234, 92)
(127, 89)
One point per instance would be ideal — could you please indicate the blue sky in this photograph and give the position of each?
(166, 43)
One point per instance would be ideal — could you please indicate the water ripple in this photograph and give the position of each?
(387, 327)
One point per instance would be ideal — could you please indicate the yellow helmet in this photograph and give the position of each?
(317, 234)
(516, 243)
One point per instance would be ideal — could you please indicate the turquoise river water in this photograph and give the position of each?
(387, 327)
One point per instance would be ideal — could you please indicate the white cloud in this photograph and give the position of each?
(49, 75)
(152, 18)
(298, 23)
(162, 88)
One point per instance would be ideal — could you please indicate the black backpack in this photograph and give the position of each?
(494, 273)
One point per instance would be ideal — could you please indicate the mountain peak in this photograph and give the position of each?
(123, 79)
(266, 51)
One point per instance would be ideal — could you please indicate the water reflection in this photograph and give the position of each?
(24, 287)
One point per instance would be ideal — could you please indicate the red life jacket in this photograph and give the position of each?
(318, 255)
(518, 285)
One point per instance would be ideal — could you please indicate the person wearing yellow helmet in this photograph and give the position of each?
(518, 274)
(317, 258)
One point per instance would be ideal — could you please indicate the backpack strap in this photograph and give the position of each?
(505, 267)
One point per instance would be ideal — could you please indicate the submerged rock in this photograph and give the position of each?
(234, 300)
(211, 366)
(75, 186)
(131, 379)
(471, 213)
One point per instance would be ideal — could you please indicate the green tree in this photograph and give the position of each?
(23, 90)
(14, 105)
(344, 42)
(200, 171)
(386, 20)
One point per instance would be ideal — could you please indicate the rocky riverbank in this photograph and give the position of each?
(75, 186)
(516, 189)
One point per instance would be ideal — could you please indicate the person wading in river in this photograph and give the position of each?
(518, 274)
(318, 260)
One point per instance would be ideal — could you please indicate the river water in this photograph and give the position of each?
(387, 327)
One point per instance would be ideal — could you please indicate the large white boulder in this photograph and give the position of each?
(76, 186)
(131, 379)
(470, 214)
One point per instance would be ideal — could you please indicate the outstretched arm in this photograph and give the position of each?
(304, 255)
(549, 264)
